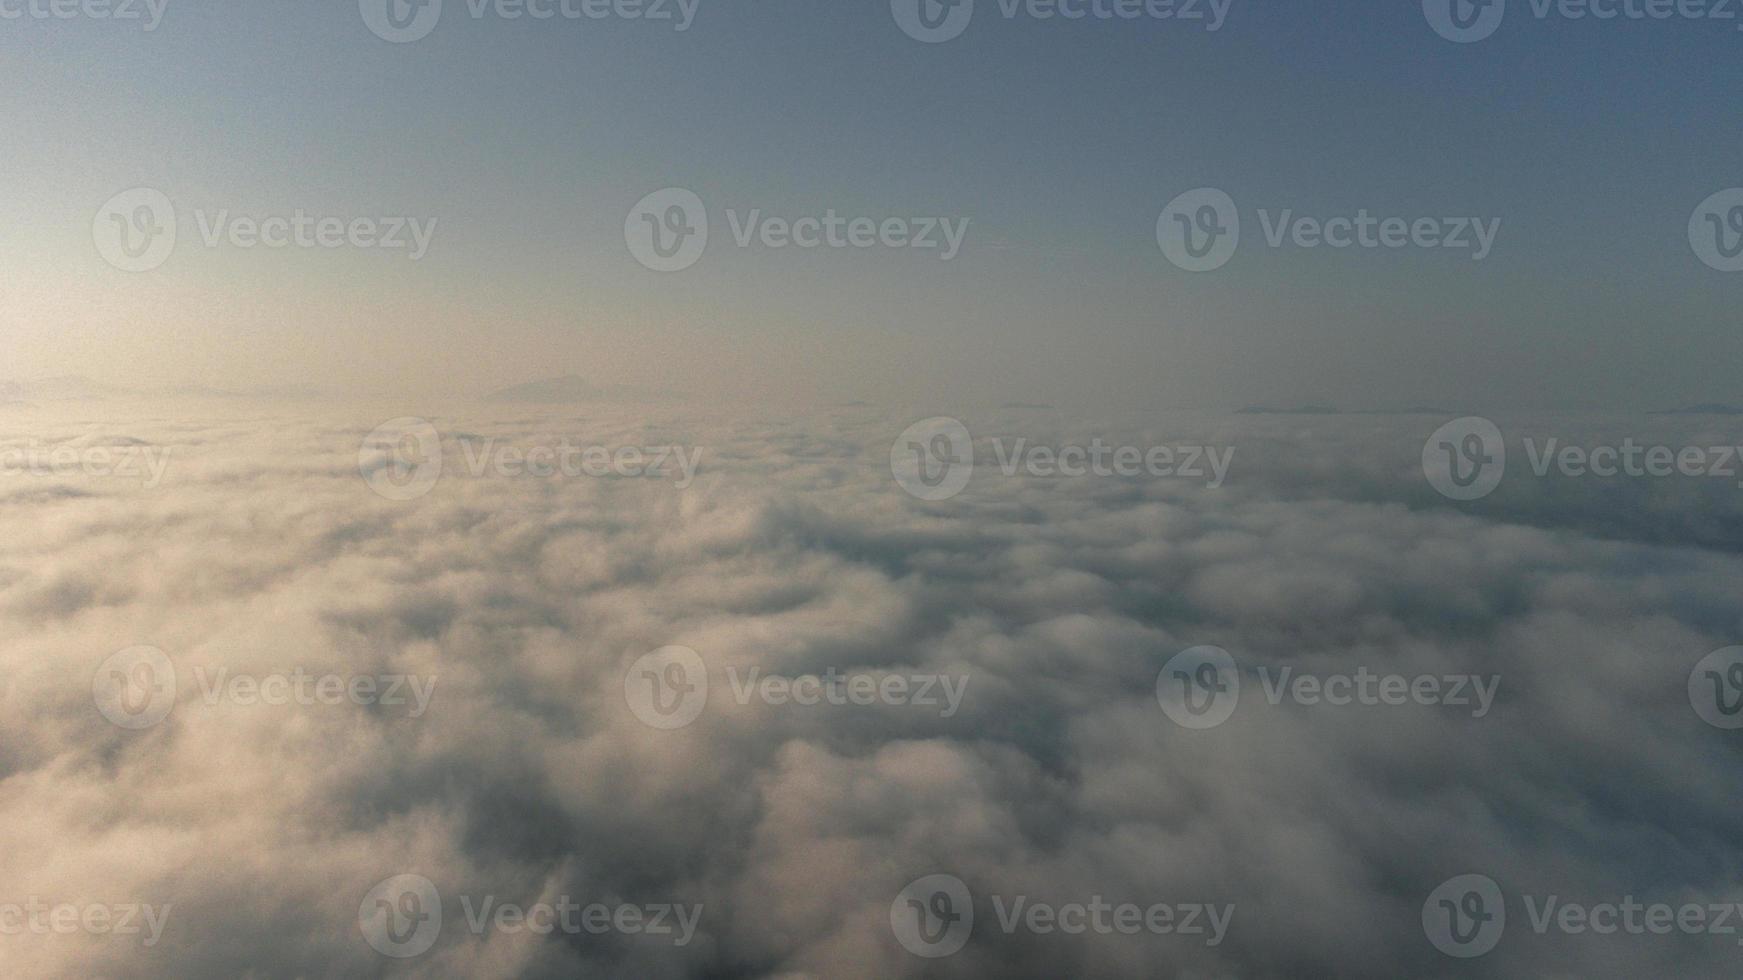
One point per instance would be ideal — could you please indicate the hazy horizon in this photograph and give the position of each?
(519, 146)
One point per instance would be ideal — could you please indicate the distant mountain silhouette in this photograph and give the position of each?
(1328, 410)
(69, 388)
(292, 392)
(1704, 409)
(1303, 410)
(76, 388)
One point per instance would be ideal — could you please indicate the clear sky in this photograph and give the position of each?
(1061, 141)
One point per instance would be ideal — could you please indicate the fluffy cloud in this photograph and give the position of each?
(521, 602)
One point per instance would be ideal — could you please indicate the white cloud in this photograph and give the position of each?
(526, 599)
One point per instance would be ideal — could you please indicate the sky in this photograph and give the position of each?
(1060, 142)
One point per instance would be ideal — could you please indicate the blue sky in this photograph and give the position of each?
(1591, 141)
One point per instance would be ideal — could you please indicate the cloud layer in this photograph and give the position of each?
(525, 603)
